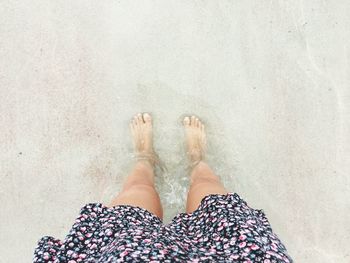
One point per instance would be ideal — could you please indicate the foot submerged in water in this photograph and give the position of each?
(195, 139)
(142, 133)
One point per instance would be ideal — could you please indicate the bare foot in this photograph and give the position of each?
(142, 133)
(195, 138)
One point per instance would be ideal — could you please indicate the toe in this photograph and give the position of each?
(201, 124)
(193, 120)
(197, 122)
(139, 118)
(147, 117)
(187, 121)
(135, 121)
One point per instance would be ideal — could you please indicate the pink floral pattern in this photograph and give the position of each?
(222, 229)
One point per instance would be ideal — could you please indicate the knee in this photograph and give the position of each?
(207, 184)
(140, 188)
(210, 180)
(138, 184)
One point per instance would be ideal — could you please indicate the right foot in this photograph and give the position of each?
(195, 138)
(141, 130)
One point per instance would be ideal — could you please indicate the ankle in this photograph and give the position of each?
(150, 159)
(198, 165)
(144, 165)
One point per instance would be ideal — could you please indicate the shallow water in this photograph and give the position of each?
(270, 80)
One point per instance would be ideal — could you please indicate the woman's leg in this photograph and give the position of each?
(203, 181)
(138, 188)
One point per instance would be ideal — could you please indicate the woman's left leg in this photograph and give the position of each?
(138, 188)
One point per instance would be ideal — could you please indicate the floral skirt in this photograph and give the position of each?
(222, 229)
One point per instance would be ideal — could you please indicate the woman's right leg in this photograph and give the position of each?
(203, 181)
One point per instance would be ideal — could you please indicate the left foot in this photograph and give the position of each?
(195, 138)
(142, 133)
